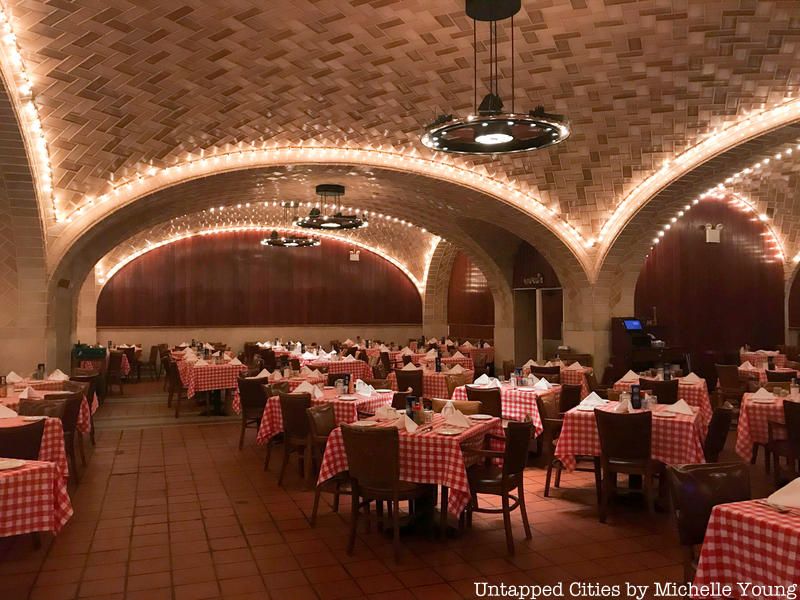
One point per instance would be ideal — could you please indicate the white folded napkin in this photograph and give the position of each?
(191, 359)
(183, 345)
(457, 354)
(215, 354)
(576, 366)
(788, 495)
(406, 351)
(235, 361)
(276, 376)
(482, 380)
(494, 382)
(188, 352)
(28, 394)
(593, 400)
(433, 341)
(307, 388)
(294, 354)
(487, 345)
(746, 365)
(383, 348)
(386, 412)
(410, 367)
(430, 354)
(530, 363)
(763, 393)
(348, 342)
(364, 389)
(207, 346)
(7, 413)
(280, 347)
(305, 371)
(228, 354)
(456, 369)
(691, 378)
(630, 377)
(680, 408)
(349, 358)
(263, 373)
(467, 345)
(316, 373)
(457, 419)
(549, 363)
(542, 384)
(200, 363)
(13, 378)
(623, 406)
(404, 423)
(58, 375)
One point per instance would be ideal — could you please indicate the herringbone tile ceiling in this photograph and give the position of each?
(122, 83)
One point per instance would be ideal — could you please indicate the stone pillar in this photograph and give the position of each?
(86, 324)
(434, 304)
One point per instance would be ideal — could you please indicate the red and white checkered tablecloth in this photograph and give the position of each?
(344, 411)
(84, 416)
(695, 394)
(761, 360)
(760, 375)
(210, 377)
(449, 361)
(434, 385)
(33, 498)
(676, 440)
(473, 352)
(575, 377)
(753, 425)
(358, 369)
(100, 363)
(749, 543)
(424, 458)
(293, 383)
(52, 447)
(517, 404)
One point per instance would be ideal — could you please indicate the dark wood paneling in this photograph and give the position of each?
(470, 305)
(531, 269)
(230, 279)
(794, 303)
(714, 296)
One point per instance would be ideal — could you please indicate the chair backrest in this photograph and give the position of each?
(667, 391)
(294, 363)
(570, 397)
(781, 375)
(131, 354)
(697, 489)
(552, 374)
(410, 379)
(490, 399)
(625, 436)
(91, 381)
(717, 433)
(72, 406)
(173, 376)
(728, 376)
(153, 355)
(373, 456)
(22, 442)
(385, 362)
(269, 360)
(465, 406)
(548, 406)
(321, 420)
(399, 400)
(114, 363)
(453, 381)
(253, 394)
(791, 411)
(362, 355)
(406, 359)
(518, 438)
(36, 407)
(293, 411)
(508, 368)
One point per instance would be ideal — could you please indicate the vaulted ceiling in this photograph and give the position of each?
(125, 87)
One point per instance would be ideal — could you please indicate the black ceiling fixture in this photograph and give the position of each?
(490, 130)
(329, 215)
(289, 241)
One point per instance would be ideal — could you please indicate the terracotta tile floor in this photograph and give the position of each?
(179, 513)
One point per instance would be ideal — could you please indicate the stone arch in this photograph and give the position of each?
(434, 309)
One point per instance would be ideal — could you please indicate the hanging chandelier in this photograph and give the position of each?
(490, 130)
(328, 214)
(289, 240)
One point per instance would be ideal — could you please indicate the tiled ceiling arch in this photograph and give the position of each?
(133, 83)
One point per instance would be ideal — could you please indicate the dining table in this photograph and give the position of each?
(211, 376)
(45, 387)
(761, 358)
(752, 548)
(694, 393)
(293, 382)
(434, 383)
(676, 439)
(51, 448)
(517, 403)
(357, 369)
(33, 498)
(100, 364)
(346, 409)
(759, 374)
(448, 362)
(753, 426)
(576, 376)
(428, 457)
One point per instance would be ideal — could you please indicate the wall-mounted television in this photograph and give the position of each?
(632, 324)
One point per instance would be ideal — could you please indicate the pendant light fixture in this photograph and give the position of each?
(329, 214)
(289, 240)
(489, 129)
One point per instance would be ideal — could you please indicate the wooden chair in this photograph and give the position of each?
(488, 478)
(295, 432)
(321, 421)
(695, 490)
(410, 379)
(453, 381)
(490, 399)
(91, 382)
(731, 386)
(151, 364)
(72, 399)
(399, 399)
(667, 391)
(133, 363)
(269, 359)
(552, 374)
(788, 446)
(253, 394)
(114, 371)
(569, 398)
(373, 457)
(626, 447)
(385, 363)
(175, 389)
(465, 406)
(508, 368)
(479, 361)
(717, 433)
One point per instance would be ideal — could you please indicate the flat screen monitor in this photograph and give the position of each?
(632, 324)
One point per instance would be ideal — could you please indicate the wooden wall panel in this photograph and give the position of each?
(794, 304)
(531, 269)
(470, 304)
(714, 296)
(230, 279)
